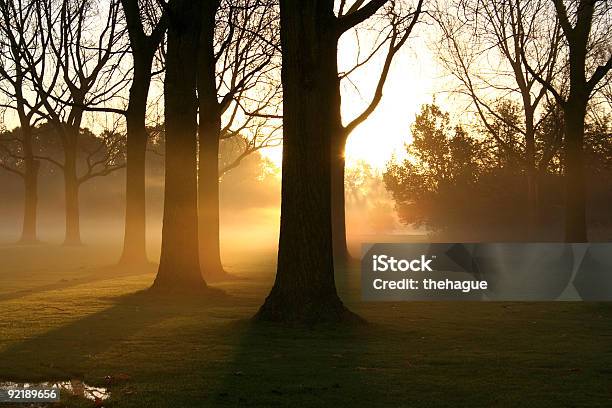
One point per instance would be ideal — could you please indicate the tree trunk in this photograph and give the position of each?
(209, 130)
(575, 189)
(134, 243)
(71, 188)
(30, 182)
(304, 289)
(341, 254)
(575, 111)
(532, 181)
(179, 268)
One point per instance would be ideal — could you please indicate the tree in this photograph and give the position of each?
(143, 48)
(459, 186)
(368, 201)
(179, 267)
(400, 27)
(434, 186)
(304, 289)
(19, 32)
(88, 58)
(586, 31)
(238, 45)
(483, 46)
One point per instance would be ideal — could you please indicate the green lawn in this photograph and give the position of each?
(61, 319)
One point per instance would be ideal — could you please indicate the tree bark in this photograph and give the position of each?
(575, 111)
(209, 131)
(134, 243)
(71, 189)
(532, 179)
(30, 183)
(179, 268)
(304, 289)
(575, 189)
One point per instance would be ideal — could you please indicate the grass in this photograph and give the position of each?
(66, 315)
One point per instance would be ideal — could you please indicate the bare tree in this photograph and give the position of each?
(483, 46)
(587, 35)
(394, 32)
(88, 57)
(19, 39)
(146, 25)
(239, 98)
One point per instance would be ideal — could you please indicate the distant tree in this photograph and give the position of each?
(484, 44)
(88, 57)
(598, 141)
(369, 205)
(551, 134)
(179, 267)
(461, 186)
(433, 185)
(395, 31)
(146, 25)
(239, 96)
(587, 36)
(19, 34)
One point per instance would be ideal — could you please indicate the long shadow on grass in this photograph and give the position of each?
(75, 350)
(279, 366)
(93, 275)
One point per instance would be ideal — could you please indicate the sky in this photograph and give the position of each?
(413, 80)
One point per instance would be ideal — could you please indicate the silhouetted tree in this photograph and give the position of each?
(399, 28)
(304, 289)
(145, 38)
(433, 186)
(88, 78)
(179, 267)
(465, 187)
(585, 25)
(17, 157)
(483, 46)
(238, 43)
(19, 32)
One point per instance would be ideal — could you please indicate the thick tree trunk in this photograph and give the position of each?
(575, 189)
(304, 289)
(134, 243)
(71, 190)
(30, 182)
(179, 268)
(209, 130)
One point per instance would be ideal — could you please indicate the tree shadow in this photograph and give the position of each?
(77, 349)
(276, 365)
(89, 276)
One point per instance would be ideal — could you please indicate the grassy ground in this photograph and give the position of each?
(61, 319)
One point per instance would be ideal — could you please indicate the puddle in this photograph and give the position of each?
(73, 387)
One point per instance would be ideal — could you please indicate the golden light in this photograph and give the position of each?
(410, 84)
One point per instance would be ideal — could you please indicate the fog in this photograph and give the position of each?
(249, 215)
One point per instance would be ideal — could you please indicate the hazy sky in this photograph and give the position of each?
(413, 80)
